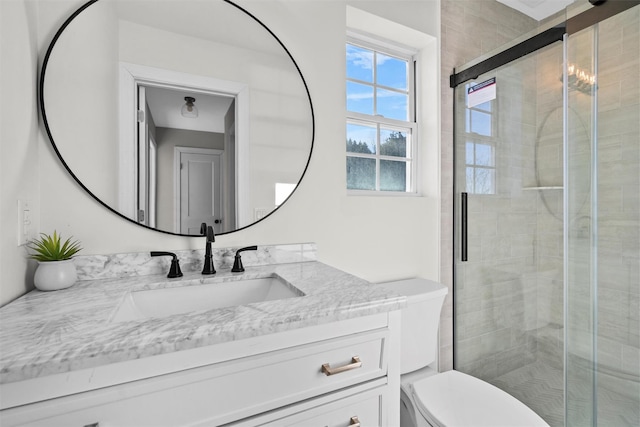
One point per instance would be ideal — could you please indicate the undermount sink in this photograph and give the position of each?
(139, 305)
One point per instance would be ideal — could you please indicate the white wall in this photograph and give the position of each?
(19, 134)
(377, 238)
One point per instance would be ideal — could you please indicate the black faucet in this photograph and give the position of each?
(207, 230)
(174, 271)
(237, 264)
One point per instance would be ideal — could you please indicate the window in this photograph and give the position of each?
(283, 191)
(481, 170)
(480, 156)
(381, 125)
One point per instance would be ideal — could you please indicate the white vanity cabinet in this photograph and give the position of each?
(275, 380)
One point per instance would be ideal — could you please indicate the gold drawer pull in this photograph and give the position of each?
(354, 422)
(355, 363)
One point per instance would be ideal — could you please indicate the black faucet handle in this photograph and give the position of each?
(174, 270)
(237, 263)
(207, 230)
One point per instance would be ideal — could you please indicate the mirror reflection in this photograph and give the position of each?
(177, 112)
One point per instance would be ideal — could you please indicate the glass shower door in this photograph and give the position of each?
(547, 223)
(603, 224)
(509, 210)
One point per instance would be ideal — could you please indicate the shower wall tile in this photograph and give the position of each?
(531, 318)
(630, 359)
(522, 245)
(511, 359)
(486, 369)
(630, 83)
(611, 200)
(550, 345)
(550, 302)
(549, 244)
(609, 96)
(495, 246)
(524, 201)
(519, 266)
(483, 346)
(609, 352)
(484, 224)
(482, 321)
(512, 223)
(549, 213)
(614, 122)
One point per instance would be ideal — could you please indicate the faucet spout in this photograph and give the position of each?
(207, 230)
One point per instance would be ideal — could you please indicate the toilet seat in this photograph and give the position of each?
(453, 399)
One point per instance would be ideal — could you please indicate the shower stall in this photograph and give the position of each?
(547, 218)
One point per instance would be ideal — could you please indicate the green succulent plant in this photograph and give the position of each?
(51, 248)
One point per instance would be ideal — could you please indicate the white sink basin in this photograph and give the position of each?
(184, 299)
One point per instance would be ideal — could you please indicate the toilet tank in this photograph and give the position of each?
(420, 320)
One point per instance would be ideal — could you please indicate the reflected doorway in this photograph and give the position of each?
(162, 110)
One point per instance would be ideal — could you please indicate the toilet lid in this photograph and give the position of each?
(454, 399)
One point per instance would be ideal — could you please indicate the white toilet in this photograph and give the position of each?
(451, 398)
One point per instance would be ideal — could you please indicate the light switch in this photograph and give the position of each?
(259, 213)
(25, 222)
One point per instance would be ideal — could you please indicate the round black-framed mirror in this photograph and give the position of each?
(116, 81)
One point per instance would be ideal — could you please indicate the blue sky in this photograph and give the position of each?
(390, 72)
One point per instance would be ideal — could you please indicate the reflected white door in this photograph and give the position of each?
(147, 163)
(200, 187)
(230, 164)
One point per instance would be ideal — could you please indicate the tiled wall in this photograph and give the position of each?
(547, 333)
(469, 29)
(509, 293)
(510, 305)
(619, 191)
(615, 255)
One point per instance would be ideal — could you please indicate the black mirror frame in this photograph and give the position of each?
(43, 113)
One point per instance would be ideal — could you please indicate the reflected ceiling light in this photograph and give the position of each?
(579, 79)
(188, 109)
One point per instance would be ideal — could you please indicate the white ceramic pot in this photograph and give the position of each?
(55, 275)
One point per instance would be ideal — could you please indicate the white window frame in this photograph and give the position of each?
(479, 139)
(395, 50)
(475, 141)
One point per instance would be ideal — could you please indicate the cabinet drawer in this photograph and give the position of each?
(364, 404)
(218, 393)
(358, 410)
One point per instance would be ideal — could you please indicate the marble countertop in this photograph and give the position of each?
(46, 333)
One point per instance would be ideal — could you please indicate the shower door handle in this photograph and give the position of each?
(463, 226)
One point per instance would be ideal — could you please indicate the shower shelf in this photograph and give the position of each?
(544, 188)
